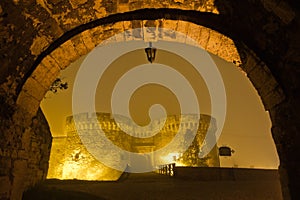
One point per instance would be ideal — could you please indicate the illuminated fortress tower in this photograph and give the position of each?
(70, 159)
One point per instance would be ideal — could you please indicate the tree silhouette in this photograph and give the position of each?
(191, 156)
(58, 84)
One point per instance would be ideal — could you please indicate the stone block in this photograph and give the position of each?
(35, 89)
(49, 79)
(269, 86)
(249, 61)
(108, 34)
(159, 3)
(193, 34)
(235, 56)
(76, 3)
(204, 37)
(127, 30)
(5, 164)
(277, 134)
(112, 33)
(22, 154)
(150, 32)
(5, 153)
(180, 4)
(79, 46)
(21, 118)
(68, 20)
(45, 148)
(259, 76)
(86, 37)
(136, 26)
(123, 2)
(40, 174)
(35, 145)
(39, 44)
(51, 64)
(123, 7)
(275, 97)
(28, 103)
(96, 34)
(65, 54)
(168, 32)
(110, 6)
(14, 154)
(169, 24)
(135, 4)
(228, 50)
(20, 168)
(284, 12)
(149, 4)
(214, 42)
(32, 165)
(5, 187)
(118, 29)
(182, 27)
(39, 73)
(100, 10)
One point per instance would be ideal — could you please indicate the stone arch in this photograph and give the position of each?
(48, 22)
(212, 41)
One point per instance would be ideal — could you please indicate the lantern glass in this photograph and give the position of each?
(150, 52)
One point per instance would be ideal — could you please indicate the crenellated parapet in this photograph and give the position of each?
(79, 163)
(106, 122)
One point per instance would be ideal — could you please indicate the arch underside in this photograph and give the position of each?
(212, 41)
(59, 32)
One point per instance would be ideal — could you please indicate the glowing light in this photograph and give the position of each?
(172, 158)
(71, 160)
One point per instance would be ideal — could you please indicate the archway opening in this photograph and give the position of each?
(246, 129)
(275, 35)
(211, 43)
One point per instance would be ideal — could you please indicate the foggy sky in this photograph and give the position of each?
(247, 125)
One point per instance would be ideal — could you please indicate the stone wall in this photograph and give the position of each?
(32, 30)
(57, 156)
(71, 159)
(24, 155)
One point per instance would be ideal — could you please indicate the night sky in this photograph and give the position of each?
(247, 128)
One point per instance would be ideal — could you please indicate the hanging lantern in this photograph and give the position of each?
(150, 51)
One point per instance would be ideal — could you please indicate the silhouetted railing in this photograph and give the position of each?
(168, 169)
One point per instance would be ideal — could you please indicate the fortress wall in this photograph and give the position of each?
(70, 158)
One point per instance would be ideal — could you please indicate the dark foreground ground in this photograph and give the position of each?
(189, 184)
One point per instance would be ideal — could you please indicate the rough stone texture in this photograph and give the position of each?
(32, 30)
(84, 42)
(24, 156)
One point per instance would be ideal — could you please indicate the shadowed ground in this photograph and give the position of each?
(256, 184)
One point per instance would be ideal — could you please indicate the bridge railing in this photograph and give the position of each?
(167, 169)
